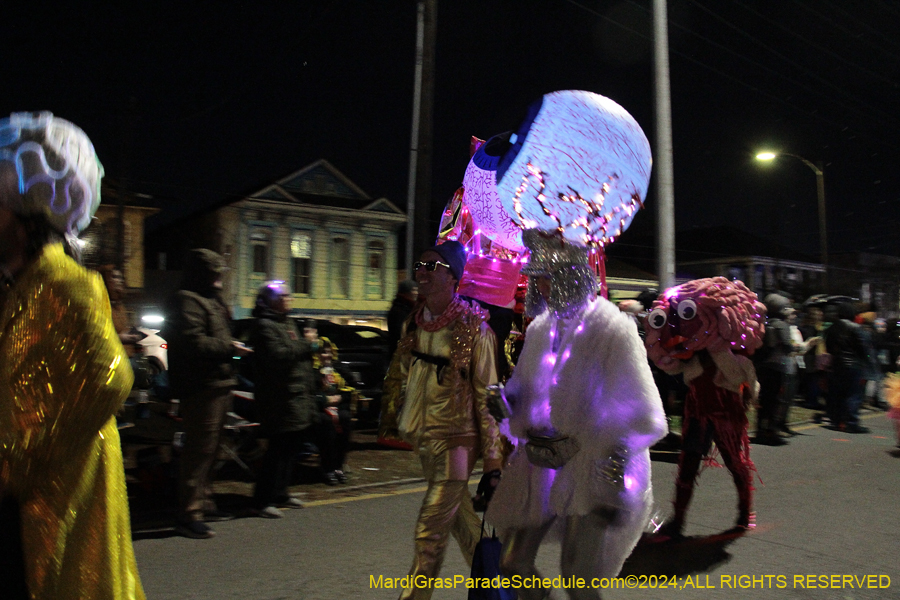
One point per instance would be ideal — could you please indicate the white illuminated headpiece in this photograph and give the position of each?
(579, 165)
(48, 166)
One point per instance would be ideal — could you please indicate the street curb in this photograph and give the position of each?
(377, 484)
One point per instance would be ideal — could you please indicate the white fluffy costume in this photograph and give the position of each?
(582, 374)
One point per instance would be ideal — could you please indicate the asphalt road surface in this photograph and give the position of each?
(828, 527)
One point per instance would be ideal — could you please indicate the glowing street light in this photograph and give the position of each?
(820, 191)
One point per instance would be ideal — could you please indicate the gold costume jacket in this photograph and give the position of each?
(454, 410)
(63, 376)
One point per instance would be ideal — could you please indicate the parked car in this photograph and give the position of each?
(155, 349)
(155, 358)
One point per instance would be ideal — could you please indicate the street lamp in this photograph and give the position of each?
(820, 191)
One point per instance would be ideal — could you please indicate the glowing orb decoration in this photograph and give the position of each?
(579, 164)
(480, 196)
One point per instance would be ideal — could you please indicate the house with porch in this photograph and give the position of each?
(315, 229)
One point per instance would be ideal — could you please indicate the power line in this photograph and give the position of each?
(780, 56)
(814, 45)
(850, 16)
(814, 114)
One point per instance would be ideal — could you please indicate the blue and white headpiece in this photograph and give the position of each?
(48, 166)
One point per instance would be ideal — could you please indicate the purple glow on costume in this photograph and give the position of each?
(550, 359)
(566, 354)
(630, 482)
(540, 413)
(484, 205)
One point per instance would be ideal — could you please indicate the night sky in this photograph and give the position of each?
(197, 102)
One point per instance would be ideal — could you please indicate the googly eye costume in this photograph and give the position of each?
(705, 329)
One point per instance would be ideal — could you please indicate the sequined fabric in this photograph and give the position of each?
(418, 406)
(63, 376)
(446, 418)
(568, 267)
(549, 252)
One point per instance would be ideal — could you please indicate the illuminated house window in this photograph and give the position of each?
(301, 262)
(340, 266)
(259, 252)
(375, 269)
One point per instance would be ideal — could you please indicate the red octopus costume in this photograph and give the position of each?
(705, 329)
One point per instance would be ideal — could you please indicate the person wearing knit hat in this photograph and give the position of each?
(773, 366)
(64, 376)
(454, 255)
(435, 399)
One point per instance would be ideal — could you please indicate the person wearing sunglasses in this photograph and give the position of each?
(435, 398)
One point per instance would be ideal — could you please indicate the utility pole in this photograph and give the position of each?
(418, 202)
(823, 228)
(665, 179)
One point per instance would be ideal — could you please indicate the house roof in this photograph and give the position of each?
(320, 183)
(616, 267)
(320, 178)
(317, 184)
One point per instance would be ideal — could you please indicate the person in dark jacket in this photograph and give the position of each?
(404, 302)
(284, 394)
(773, 366)
(201, 349)
(852, 355)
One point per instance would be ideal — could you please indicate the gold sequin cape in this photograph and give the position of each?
(63, 376)
(455, 411)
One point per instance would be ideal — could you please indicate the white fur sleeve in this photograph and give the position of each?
(626, 403)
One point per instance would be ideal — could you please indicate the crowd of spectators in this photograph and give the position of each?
(829, 356)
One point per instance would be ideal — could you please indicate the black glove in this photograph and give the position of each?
(485, 490)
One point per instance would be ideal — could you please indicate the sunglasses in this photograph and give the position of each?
(430, 265)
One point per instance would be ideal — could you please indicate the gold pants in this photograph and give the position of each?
(447, 508)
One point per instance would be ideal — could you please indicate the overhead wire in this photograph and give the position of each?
(778, 99)
(814, 45)
(782, 57)
(851, 16)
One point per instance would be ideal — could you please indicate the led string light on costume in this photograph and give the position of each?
(594, 209)
(730, 317)
(67, 195)
(556, 360)
(517, 199)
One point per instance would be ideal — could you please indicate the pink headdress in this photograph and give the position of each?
(713, 314)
